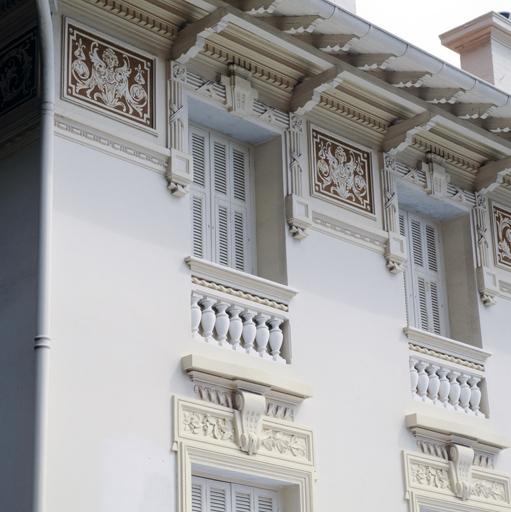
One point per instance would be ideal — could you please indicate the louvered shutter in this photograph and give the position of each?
(242, 498)
(218, 496)
(198, 191)
(220, 200)
(265, 500)
(199, 488)
(423, 278)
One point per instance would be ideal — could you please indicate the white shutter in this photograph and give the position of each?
(220, 200)
(265, 500)
(242, 498)
(199, 490)
(425, 306)
(198, 192)
(218, 496)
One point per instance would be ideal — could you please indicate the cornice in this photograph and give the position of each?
(137, 16)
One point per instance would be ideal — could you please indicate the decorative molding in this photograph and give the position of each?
(245, 429)
(208, 425)
(298, 216)
(399, 136)
(434, 449)
(213, 395)
(119, 149)
(108, 78)
(241, 281)
(445, 357)
(280, 411)
(307, 95)
(430, 476)
(460, 470)
(341, 173)
(240, 94)
(502, 236)
(135, 15)
(18, 71)
(349, 233)
(283, 443)
(352, 113)
(239, 293)
(191, 39)
(457, 349)
(430, 483)
(248, 420)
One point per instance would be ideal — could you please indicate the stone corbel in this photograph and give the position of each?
(487, 285)
(436, 177)
(248, 420)
(240, 94)
(460, 470)
(395, 253)
(298, 216)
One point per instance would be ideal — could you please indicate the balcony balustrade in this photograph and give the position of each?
(237, 326)
(446, 385)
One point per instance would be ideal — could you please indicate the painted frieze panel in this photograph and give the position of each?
(502, 234)
(108, 77)
(18, 72)
(341, 173)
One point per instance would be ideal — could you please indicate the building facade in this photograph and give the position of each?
(264, 250)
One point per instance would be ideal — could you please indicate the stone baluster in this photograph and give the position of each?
(423, 381)
(276, 338)
(414, 375)
(208, 319)
(249, 330)
(444, 388)
(235, 327)
(196, 315)
(454, 393)
(434, 382)
(475, 393)
(222, 323)
(262, 335)
(464, 392)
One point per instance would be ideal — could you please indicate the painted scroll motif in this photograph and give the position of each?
(109, 77)
(502, 231)
(18, 72)
(341, 173)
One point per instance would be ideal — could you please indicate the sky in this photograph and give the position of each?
(421, 22)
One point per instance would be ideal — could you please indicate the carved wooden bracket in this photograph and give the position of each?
(248, 420)
(400, 136)
(460, 470)
(307, 94)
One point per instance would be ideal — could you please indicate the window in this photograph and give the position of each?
(424, 279)
(222, 217)
(217, 496)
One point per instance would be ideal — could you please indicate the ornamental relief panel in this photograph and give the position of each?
(502, 234)
(218, 426)
(341, 173)
(18, 72)
(109, 78)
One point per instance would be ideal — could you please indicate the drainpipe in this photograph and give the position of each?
(42, 338)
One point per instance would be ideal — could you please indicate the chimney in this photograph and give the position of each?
(484, 45)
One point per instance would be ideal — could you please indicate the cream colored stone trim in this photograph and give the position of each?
(445, 357)
(429, 484)
(239, 293)
(447, 347)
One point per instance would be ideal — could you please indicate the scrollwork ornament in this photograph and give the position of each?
(178, 72)
(109, 77)
(208, 426)
(273, 440)
(296, 123)
(488, 490)
(389, 162)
